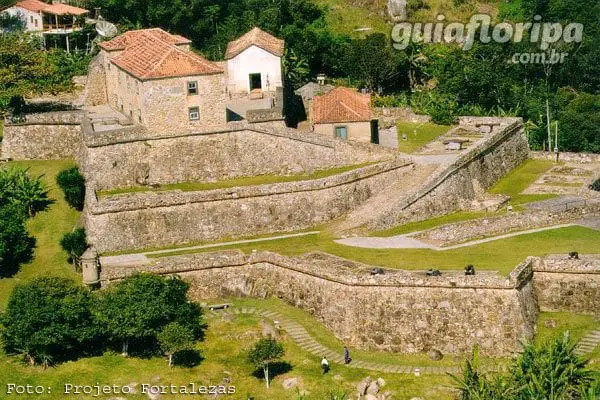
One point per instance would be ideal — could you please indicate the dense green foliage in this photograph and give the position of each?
(52, 319)
(548, 371)
(75, 244)
(263, 353)
(72, 184)
(19, 189)
(26, 69)
(16, 246)
(135, 310)
(174, 338)
(49, 320)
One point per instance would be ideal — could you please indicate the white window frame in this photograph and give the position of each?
(194, 115)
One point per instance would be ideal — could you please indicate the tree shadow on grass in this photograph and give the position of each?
(188, 358)
(275, 369)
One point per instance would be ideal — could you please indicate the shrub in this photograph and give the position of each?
(48, 320)
(72, 184)
(16, 246)
(74, 243)
(18, 188)
(596, 185)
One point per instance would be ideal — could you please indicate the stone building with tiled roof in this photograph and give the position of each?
(254, 64)
(153, 78)
(344, 113)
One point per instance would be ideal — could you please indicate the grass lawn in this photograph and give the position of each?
(224, 350)
(500, 255)
(345, 18)
(426, 133)
(237, 182)
(47, 227)
(520, 179)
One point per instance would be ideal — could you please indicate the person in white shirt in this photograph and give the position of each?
(325, 365)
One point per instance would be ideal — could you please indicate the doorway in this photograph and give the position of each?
(255, 82)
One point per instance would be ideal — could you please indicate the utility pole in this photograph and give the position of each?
(548, 125)
(556, 140)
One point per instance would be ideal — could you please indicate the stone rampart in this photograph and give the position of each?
(580, 158)
(44, 136)
(454, 187)
(566, 285)
(399, 311)
(150, 219)
(132, 157)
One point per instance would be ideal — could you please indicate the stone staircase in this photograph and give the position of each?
(384, 202)
(305, 341)
(588, 343)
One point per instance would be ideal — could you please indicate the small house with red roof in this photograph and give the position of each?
(346, 114)
(56, 18)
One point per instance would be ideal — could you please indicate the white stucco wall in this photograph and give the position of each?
(30, 17)
(251, 61)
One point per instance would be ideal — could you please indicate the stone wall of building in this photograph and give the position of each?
(134, 157)
(47, 136)
(399, 311)
(95, 89)
(455, 187)
(568, 285)
(150, 219)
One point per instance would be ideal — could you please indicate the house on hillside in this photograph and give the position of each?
(154, 79)
(254, 64)
(48, 19)
(346, 114)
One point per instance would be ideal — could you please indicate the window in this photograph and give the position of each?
(36, 23)
(341, 132)
(194, 113)
(31, 18)
(192, 87)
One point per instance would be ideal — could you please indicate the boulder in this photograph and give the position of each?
(397, 10)
(364, 385)
(435, 354)
(550, 323)
(370, 396)
(289, 383)
(381, 382)
(373, 388)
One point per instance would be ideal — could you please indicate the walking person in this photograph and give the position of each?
(325, 365)
(347, 358)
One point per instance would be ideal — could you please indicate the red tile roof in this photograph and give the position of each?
(64, 9)
(56, 9)
(149, 57)
(130, 37)
(256, 37)
(341, 105)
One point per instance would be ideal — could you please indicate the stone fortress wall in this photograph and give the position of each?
(150, 219)
(44, 136)
(454, 187)
(399, 311)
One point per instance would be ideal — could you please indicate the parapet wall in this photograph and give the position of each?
(45, 136)
(150, 219)
(454, 187)
(568, 285)
(132, 157)
(399, 311)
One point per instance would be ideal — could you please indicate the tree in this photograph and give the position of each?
(49, 319)
(75, 244)
(175, 337)
(18, 188)
(25, 70)
(72, 184)
(263, 353)
(136, 309)
(547, 371)
(16, 246)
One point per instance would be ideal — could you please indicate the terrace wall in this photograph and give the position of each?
(399, 311)
(150, 219)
